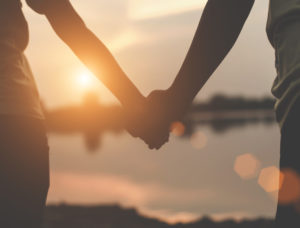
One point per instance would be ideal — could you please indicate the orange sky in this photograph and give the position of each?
(150, 40)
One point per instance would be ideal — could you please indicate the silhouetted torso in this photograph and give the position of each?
(283, 32)
(280, 12)
(13, 26)
(18, 92)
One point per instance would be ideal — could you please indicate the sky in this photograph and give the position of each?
(150, 39)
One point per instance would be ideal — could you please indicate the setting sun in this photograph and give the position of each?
(85, 79)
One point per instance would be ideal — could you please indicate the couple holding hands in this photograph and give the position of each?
(24, 151)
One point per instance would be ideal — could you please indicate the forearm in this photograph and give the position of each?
(91, 51)
(218, 30)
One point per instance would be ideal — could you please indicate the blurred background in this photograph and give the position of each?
(221, 161)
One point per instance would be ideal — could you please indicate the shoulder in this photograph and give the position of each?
(40, 6)
(37, 5)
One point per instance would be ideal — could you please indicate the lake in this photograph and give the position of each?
(222, 174)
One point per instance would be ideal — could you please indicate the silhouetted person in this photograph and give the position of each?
(219, 28)
(91, 51)
(24, 160)
(24, 177)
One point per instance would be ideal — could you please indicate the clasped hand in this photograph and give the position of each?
(151, 119)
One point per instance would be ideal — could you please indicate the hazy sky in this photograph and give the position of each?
(149, 38)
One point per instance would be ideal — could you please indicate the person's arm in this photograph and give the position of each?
(89, 49)
(218, 30)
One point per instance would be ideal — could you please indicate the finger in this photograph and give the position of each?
(150, 146)
(158, 142)
(161, 144)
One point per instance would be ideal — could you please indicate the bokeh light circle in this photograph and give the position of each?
(247, 166)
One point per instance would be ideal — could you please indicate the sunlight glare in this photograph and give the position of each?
(177, 128)
(290, 187)
(85, 79)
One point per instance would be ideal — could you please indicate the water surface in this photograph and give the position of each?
(184, 180)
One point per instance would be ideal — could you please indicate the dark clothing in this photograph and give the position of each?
(286, 86)
(281, 12)
(13, 25)
(24, 172)
(18, 91)
(288, 215)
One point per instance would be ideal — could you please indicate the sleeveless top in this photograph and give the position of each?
(18, 92)
(280, 12)
(283, 29)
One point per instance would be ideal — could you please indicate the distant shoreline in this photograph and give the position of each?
(232, 114)
(93, 119)
(76, 216)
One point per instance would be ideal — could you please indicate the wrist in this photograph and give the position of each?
(178, 105)
(134, 101)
